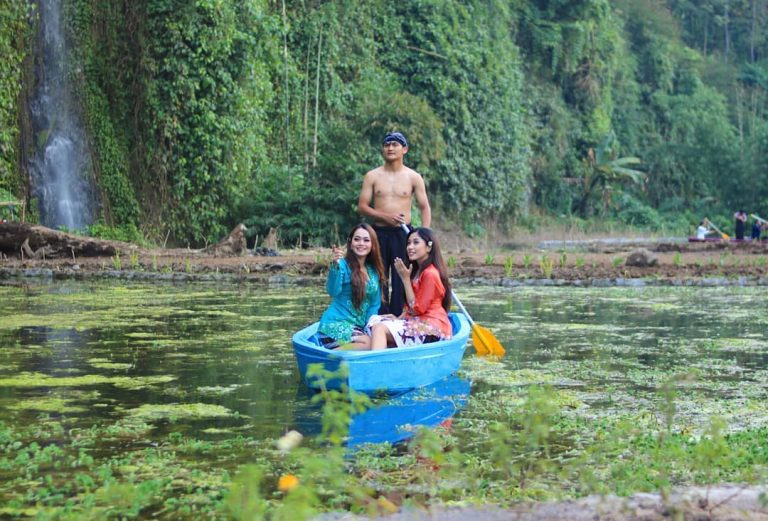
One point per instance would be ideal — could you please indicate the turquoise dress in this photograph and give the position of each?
(342, 317)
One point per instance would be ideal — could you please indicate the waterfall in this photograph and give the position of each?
(60, 168)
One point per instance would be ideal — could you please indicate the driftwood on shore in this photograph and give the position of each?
(29, 241)
(38, 242)
(232, 245)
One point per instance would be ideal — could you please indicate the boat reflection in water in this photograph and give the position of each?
(396, 418)
(399, 418)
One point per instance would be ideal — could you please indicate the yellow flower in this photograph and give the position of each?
(386, 505)
(287, 482)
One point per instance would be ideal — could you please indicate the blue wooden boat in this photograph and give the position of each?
(390, 370)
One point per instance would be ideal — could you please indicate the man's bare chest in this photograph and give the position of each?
(393, 189)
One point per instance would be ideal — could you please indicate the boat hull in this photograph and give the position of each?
(390, 370)
(719, 239)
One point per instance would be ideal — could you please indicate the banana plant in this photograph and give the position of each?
(603, 169)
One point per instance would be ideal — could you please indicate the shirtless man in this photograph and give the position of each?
(386, 198)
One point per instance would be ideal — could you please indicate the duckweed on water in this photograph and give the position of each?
(104, 363)
(176, 412)
(218, 390)
(668, 378)
(42, 380)
(48, 404)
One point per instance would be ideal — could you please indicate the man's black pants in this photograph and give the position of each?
(392, 243)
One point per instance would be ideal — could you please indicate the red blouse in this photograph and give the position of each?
(429, 292)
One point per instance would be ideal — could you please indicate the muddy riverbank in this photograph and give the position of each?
(586, 263)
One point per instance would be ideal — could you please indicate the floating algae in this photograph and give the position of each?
(105, 363)
(27, 379)
(175, 412)
(50, 404)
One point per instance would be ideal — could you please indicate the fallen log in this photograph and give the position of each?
(39, 242)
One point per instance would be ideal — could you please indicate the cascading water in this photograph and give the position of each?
(60, 166)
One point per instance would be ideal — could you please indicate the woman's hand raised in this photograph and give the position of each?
(336, 254)
(403, 270)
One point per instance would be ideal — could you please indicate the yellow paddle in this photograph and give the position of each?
(723, 235)
(484, 341)
(482, 338)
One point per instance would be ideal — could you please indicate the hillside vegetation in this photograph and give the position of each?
(205, 113)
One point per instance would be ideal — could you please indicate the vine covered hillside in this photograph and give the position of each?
(205, 113)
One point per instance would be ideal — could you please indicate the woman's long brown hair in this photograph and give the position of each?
(435, 258)
(373, 259)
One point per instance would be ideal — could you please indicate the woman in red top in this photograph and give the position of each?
(427, 295)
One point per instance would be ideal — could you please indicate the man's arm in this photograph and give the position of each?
(420, 192)
(365, 198)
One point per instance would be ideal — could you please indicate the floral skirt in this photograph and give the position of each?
(407, 332)
(329, 342)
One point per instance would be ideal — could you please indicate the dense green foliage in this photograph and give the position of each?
(14, 35)
(210, 112)
(110, 147)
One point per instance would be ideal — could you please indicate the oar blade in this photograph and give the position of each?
(485, 342)
(477, 341)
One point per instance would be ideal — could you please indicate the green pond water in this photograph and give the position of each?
(136, 365)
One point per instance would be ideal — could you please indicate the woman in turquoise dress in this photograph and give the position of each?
(354, 284)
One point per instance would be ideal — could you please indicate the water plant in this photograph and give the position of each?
(677, 259)
(579, 261)
(488, 259)
(563, 259)
(617, 261)
(509, 266)
(451, 262)
(154, 262)
(546, 266)
(134, 261)
(117, 262)
(527, 260)
(520, 448)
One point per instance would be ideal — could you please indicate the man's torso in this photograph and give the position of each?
(392, 191)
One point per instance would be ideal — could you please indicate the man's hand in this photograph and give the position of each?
(396, 219)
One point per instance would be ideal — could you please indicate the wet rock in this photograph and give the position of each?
(43, 273)
(469, 261)
(265, 252)
(641, 258)
(714, 503)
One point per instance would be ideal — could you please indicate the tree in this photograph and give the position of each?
(602, 169)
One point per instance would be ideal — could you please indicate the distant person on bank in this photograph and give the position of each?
(386, 197)
(703, 230)
(741, 223)
(354, 284)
